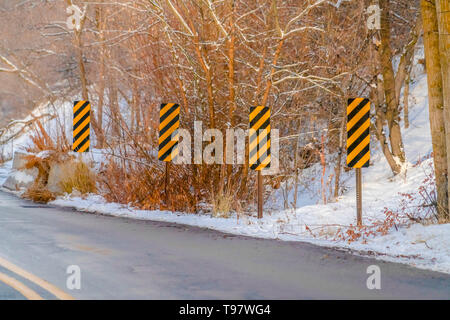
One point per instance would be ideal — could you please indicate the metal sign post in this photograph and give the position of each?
(358, 144)
(259, 148)
(359, 196)
(169, 123)
(260, 195)
(166, 183)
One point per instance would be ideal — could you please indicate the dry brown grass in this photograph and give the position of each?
(39, 193)
(143, 187)
(78, 176)
(224, 203)
(41, 141)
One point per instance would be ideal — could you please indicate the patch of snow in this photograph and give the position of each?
(5, 171)
(22, 177)
(426, 247)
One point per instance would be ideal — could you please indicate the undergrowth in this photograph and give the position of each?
(39, 193)
(144, 187)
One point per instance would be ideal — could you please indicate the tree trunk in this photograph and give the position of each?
(135, 107)
(101, 79)
(79, 44)
(406, 100)
(378, 98)
(297, 150)
(443, 18)
(341, 151)
(79, 48)
(392, 110)
(435, 101)
(114, 107)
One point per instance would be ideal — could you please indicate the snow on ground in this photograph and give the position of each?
(422, 246)
(5, 171)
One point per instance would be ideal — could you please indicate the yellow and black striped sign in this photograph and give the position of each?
(358, 133)
(259, 138)
(81, 126)
(169, 122)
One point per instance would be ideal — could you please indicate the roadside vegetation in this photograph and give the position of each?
(216, 59)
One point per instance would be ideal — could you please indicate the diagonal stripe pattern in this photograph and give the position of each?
(81, 126)
(259, 138)
(358, 133)
(169, 123)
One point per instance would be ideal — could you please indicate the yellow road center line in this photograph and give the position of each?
(20, 287)
(36, 280)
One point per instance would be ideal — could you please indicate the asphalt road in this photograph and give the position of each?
(129, 259)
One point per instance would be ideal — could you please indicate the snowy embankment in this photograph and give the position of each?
(423, 246)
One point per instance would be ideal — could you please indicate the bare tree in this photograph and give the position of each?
(443, 17)
(390, 87)
(436, 102)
